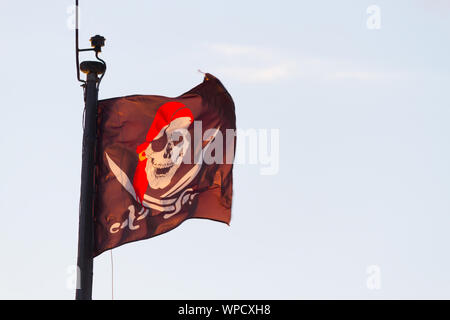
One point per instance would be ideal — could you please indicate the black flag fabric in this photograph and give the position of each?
(160, 161)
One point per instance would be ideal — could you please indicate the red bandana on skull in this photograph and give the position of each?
(167, 114)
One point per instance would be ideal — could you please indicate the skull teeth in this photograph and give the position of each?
(161, 172)
(161, 166)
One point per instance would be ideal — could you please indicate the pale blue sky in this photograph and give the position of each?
(364, 159)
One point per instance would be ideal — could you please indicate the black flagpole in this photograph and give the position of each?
(92, 69)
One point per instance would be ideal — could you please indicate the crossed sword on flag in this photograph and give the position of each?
(169, 206)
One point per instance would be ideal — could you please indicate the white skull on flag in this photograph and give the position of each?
(162, 153)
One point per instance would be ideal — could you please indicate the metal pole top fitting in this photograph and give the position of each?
(97, 67)
(97, 42)
(92, 67)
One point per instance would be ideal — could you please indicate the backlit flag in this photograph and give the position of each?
(160, 161)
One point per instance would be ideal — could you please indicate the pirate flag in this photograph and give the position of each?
(160, 161)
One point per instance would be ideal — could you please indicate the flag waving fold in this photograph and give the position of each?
(161, 161)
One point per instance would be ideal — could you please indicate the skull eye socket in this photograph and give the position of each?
(159, 144)
(177, 140)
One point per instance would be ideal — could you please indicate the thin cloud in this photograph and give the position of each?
(367, 75)
(233, 50)
(257, 74)
(253, 64)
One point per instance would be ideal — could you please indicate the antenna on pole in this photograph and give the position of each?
(94, 70)
(97, 42)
